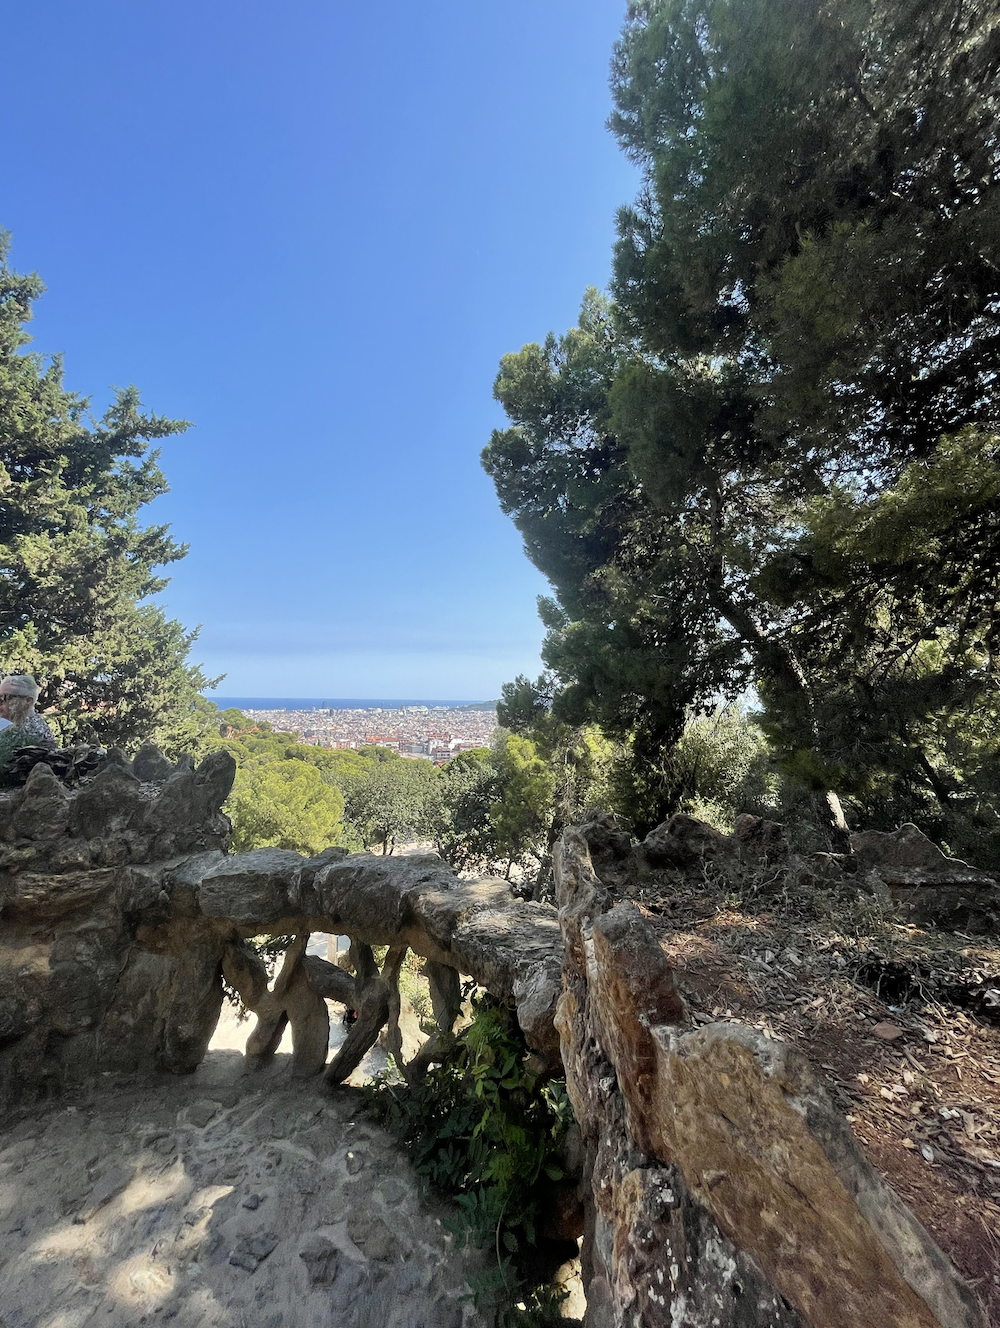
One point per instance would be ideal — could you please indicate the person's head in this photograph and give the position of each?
(18, 694)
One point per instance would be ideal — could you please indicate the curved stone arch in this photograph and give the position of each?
(474, 928)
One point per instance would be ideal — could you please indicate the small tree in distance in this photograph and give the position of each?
(285, 804)
(388, 799)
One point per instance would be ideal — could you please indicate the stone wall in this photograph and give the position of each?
(723, 1189)
(120, 911)
(71, 899)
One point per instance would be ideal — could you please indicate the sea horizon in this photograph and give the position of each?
(326, 703)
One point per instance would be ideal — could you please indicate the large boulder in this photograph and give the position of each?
(925, 885)
(684, 842)
(760, 841)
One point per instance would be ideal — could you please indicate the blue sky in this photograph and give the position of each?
(312, 229)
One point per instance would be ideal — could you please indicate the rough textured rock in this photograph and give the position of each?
(684, 841)
(763, 1149)
(924, 884)
(186, 813)
(652, 1254)
(759, 840)
(904, 870)
(216, 1201)
(121, 912)
(251, 889)
(77, 868)
(150, 764)
(111, 804)
(44, 809)
(724, 1188)
(536, 993)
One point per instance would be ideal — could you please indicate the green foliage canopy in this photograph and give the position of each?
(458, 813)
(520, 813)
(387, 797)
(76, 565)
(771, 458)
(284, 804)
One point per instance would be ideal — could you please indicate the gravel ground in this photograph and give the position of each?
(219, 1200)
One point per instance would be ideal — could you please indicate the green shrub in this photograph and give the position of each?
(485, 1130)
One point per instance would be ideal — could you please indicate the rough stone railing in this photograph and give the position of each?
(476, 928)
(121, 912)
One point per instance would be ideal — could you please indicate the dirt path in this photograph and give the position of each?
(219, 1201)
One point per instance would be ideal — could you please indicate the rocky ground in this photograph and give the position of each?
(222, 1200)
(901, 1022)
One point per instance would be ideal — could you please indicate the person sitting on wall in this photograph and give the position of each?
(18, 694)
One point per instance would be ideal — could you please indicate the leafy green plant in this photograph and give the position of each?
(414, 986)
(486, 1130)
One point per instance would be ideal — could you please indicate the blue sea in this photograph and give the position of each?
(319, 703)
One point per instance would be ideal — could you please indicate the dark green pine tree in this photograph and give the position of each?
(77, 568)
(802, 346)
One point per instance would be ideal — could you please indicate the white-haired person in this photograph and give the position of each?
(18, 694)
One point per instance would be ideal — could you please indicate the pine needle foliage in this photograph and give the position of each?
(769, 459)
(79, 566)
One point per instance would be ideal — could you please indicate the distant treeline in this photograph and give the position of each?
(487, 808)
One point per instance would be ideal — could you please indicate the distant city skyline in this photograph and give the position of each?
(418, 731)
(332, 703)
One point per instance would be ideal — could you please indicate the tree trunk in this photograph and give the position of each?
(782, 659)
(938, 786)
(831, 816)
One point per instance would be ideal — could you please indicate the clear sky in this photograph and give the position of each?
(312, 228)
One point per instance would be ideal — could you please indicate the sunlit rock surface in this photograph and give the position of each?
(723, 1189)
